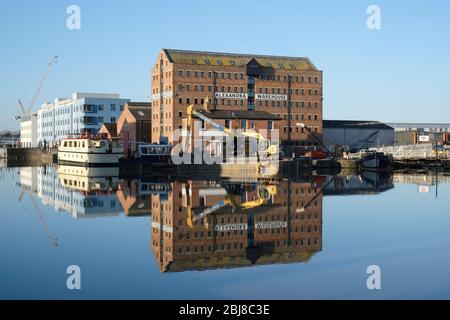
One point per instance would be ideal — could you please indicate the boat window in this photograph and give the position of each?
(65, 143)
(83, 144)
(144, 150)
(70, 143)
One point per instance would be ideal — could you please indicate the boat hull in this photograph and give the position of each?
(376, 163)
(89, 159)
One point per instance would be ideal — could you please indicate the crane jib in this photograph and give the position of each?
(211, 122)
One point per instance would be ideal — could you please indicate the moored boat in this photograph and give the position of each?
(89, 150)
(377, 161)
(155, 153)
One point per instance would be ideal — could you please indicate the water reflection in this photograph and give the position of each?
(216, 224)
(202, 224)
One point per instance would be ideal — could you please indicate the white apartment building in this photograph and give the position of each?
(83, 112)
(28, 131)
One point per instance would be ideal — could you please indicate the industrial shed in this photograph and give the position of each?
(357, 134)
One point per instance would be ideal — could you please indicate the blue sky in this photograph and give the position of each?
(396, 74)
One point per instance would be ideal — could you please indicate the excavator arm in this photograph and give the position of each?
(192, 217)
(264, 144)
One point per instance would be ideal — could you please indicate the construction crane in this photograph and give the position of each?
(313, 135)
(33, 100)
(365, 142)
(265, 193)
(264, 145)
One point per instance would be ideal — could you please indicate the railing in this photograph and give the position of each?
(415, 152)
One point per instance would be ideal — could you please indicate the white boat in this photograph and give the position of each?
(90, 151)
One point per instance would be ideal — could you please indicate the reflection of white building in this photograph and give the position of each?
(51, 189)
(28, 179)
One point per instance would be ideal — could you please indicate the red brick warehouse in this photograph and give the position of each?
(288, 87)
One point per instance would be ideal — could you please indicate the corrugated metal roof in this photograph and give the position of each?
(235, 59)
(355, 124)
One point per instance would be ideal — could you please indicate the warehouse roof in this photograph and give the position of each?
(239, 114)
(355, 124)
(235, 59)
(140, 110)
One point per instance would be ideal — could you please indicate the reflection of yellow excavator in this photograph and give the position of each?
(264, 146)
(265, 192)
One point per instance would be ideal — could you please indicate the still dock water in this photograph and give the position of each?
(222, 239)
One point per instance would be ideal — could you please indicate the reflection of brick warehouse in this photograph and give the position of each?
(258, 235)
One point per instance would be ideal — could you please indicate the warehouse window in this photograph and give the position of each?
(180, 73)
(194, 61)
(219, 62)
(207, 61)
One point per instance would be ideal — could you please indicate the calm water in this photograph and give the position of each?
(157, 239)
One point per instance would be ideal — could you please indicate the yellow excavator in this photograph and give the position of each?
(264, 145)
(265, 192)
